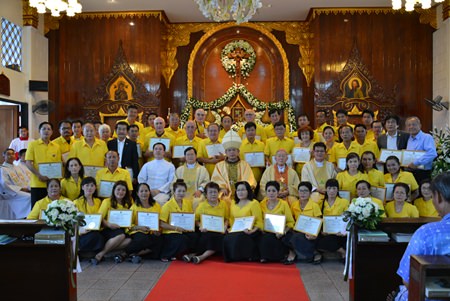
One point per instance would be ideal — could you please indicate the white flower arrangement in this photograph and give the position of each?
(442, 141)
(247, 64)
(364, 213)
(64, 214)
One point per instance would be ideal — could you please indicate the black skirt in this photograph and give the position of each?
(331, 242)
(272, 248)
(176, 244)
(111, 233)
(303, 247)
(240, 246)
(92, 241)
(210, 241)
(141, 241)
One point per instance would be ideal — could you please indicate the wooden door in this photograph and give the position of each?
(9, 116)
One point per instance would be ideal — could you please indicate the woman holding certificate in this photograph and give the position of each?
(400, 207)
(212, 220)
(241, 243)
(351, 175)
(363, 191)
(278, 222)
(53, 193)
(73, 176)
(396, 175)
(305, 135)
(114, 235)
(88, 203)
(178, 224)
(425, 201)
(304, 243)
(368, 161)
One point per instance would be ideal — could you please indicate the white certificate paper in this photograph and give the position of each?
(130, 171)
(385, 153)
(51, 170)
(389, 191)
(243, 223)
(105, 190)
(410, 156)
(342, 163)
(345, 194)
(255, 159)
(378, 192)
(154, 140)
(91, 171)
(93, 221)
(120, 217)
(183, 220)
(212, 223)
(334, 224)
(274, 223)
(301, 154)
(139, 150)
(214, 150)
(308, 225)
(178, 151)
(148, 219)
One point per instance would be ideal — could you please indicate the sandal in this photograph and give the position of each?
(135, 259)
(118, 258)
(196, 259)
(164, 259)
(288, 261)
(94, 261)
(187, 258)
(317, 258)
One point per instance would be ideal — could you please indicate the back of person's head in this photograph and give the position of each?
(441, 185)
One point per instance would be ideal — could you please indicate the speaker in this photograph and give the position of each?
(36, 85)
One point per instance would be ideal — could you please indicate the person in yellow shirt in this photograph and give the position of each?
(425, 201)
(275, 246)
(321, 121)
(91, 151)
(366, 145)
(210, 161)
(351, 175)
(367, 119)
(368, 161)
(330, 139)
(280, 141)
(189, 139)
(251, 145)
(396, 175)
(152, 138)
(306, 135)
(53, 194)
(150, 128)
(132, 118)
(174, 126)
(40, 151)
(340, 150)
(399, 207)
(275, 117)
(73, 175)
(65, 140)
(243, 245)
(342, 119)
(133, 135)
(77, 129)
(303, 122)
(377, 130)
(227, 122)
(112, 172)
(201, 124)
(249, 116)
(104, 132)
(363, 191)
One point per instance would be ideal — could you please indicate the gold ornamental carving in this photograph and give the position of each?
(446, 10)
(30, 15)
(315, 12)
(428, 16)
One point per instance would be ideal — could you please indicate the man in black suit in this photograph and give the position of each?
(393, 138)
(126, 148)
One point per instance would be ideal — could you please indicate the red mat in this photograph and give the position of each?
(216, 280)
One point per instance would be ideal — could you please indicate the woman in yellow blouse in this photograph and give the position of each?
(305, 244)
(53, 193)
(243, 245)
(73, 175)
(88, 203)
(376, 177)
(363, 191)
(115, 238)
(209, 242)
(274, 247)
(399, 207)
(306, 136)
(330, 137)
(351, 175)
(396, 175)
(176, 240)
(425, 201)
(333, 205)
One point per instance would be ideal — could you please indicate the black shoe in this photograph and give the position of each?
(93, 261)
(135, 259)
(118, 258)
(317, 258)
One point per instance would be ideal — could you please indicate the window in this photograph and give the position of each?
(11, 45)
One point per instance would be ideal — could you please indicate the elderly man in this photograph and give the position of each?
(14, 203)
(159, 135)
(211, 150)
(111, 174)
(174, 126)
(158, 174)
(65, 140)
(189, 138)
(201, 123)
(249, 116)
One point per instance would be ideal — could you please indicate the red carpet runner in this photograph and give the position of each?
(216, 280)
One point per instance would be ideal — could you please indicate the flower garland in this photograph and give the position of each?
(230, 64)
(258, 105)
(442, 141)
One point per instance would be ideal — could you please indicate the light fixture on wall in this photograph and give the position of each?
(226, 10)
(71, 7)
(409, 4)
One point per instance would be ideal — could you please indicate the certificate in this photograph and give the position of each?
(334, 224)
(91, 171)
(288, 162)
(105, 190)
(301, 154)
(51, 170)
(139, 150)
(243, 223)
(178, 151)
(274, 223)
(93, 221)
(154, 140)
(345, 194)
(410, 156)
(342, 163)
(389, 191)
(212, 223)
(215, 150)
(308, 225)
(120, 217)
(385, 153)
(378, 192)
(149, 220)
(183, 220)
(130, 171)
(255, 159)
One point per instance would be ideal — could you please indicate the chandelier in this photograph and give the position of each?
(226, 10)
(409, 4)
(71, 7)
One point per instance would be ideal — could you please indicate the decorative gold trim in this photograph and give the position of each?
(254, 26)
(120, 113)
(123, 14)
(51, 23)
(30, 15)
(446, 10)
(428, 16)
(315, 12)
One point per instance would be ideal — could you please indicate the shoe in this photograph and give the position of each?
(164, 259)
(263, 260)
(173, 258)
(317, 258)
(94, 261)
(187, 258)
(118, 258)
(196, 259)
(287, 261)
(135, 259)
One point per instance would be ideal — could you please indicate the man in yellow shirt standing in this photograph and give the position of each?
(65, 140)
(204, 156)
(132, 115)
(252, 145)
(339, 151)
(201, 123)
(366, 145)
(159, 135)
(173, 128)
(250, 116)
(150, 128)
(321, 121)
(275, 116)
(280, 141)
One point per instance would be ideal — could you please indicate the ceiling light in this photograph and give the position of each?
(71, 7)
(410, 4)
(226, 10)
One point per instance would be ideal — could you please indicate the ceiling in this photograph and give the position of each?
(187, 10)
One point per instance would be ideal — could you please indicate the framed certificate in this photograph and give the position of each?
(51, 170)
(154, 140)
(274, 223)
(183, 220)
(389, 191)
(178, 151)
(342, 163)
(288, 162)
(243, 223)
(93, 221)
(105, 190)
(148, 219)
(212, 223)
(378, 192)
(334, 224)
(120, 217)
(409, 156)
(215, 149)
(308, 225)
(91, 171)
(301, 154)
(385, 153)
(345, 194)
(255, 159)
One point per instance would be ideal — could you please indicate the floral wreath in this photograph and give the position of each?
(230, 64)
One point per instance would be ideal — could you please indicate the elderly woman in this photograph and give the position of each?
(53, 193)
(400, 207)
(104, 132)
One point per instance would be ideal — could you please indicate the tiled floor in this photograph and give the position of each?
(133, 282)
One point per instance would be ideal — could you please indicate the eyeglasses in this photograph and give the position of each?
(303, 190)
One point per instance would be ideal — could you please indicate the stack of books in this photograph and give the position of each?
(437, 287)
(50, 236)
(376, 236)
(401, 237)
